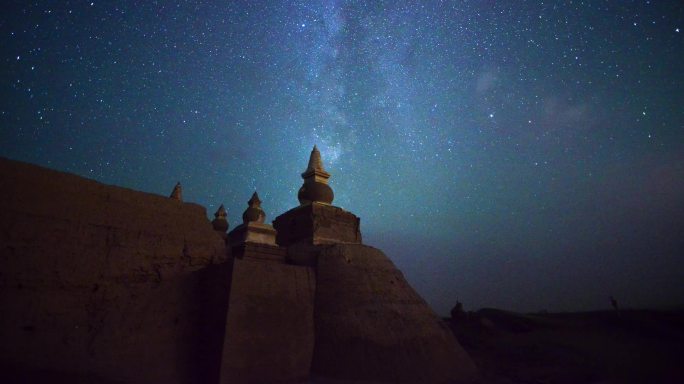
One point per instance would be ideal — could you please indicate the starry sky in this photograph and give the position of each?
(524, 155)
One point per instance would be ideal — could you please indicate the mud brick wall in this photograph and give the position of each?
(106, 284)
(371, 325)
(317, 223)
(269, 330)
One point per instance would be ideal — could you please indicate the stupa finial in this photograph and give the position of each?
(254, 201)
(315, 186)
(177, 193)
(254, 211)
(316, 165)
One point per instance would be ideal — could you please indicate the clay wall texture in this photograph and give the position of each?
(371, 325)
(269, 331)
(104, 283)
(317, 223)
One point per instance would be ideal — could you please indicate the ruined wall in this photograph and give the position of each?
(106, 284)
(371, 325)
(270, 330)
(102, 284)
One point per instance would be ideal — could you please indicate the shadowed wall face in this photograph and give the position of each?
(103, 282)
(371, 325)
(269, 330)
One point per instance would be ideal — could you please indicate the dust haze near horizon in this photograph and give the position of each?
(523, 155)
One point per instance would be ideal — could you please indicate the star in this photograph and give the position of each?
(436, 112)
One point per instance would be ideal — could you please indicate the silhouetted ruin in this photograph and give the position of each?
(105, 284)
(457, 313)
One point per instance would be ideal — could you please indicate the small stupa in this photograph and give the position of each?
(177, 193)
(253, 231)
(220, 222)
(254, 213)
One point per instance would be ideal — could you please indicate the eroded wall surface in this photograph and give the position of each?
(106, 284)
(102, 284)
(270, 330)
(371, 325)
(317, 223)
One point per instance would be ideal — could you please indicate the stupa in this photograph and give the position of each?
(254, 237)
(316, 221)
(220, 222)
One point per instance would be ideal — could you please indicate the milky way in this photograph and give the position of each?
(523, 155)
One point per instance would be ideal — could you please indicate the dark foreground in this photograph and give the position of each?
(635, 346)
(632, 346)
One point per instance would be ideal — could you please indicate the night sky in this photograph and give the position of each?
(523, 155)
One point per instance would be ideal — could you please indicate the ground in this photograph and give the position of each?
(633, 346)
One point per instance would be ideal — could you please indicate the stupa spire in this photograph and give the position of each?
(177, 193)
(254, 211)
(254, 200)
(316, 165)
(220, 221)
(221, 213)
(315, 188)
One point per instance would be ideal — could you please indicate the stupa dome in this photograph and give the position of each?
(254, 211)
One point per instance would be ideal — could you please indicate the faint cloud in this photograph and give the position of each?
(330, 152)
(485, 82)
(564, 112)
(558, 112)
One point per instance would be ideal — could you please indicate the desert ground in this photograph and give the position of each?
(629, 346)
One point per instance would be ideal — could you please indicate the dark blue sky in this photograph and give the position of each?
(519, 154)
